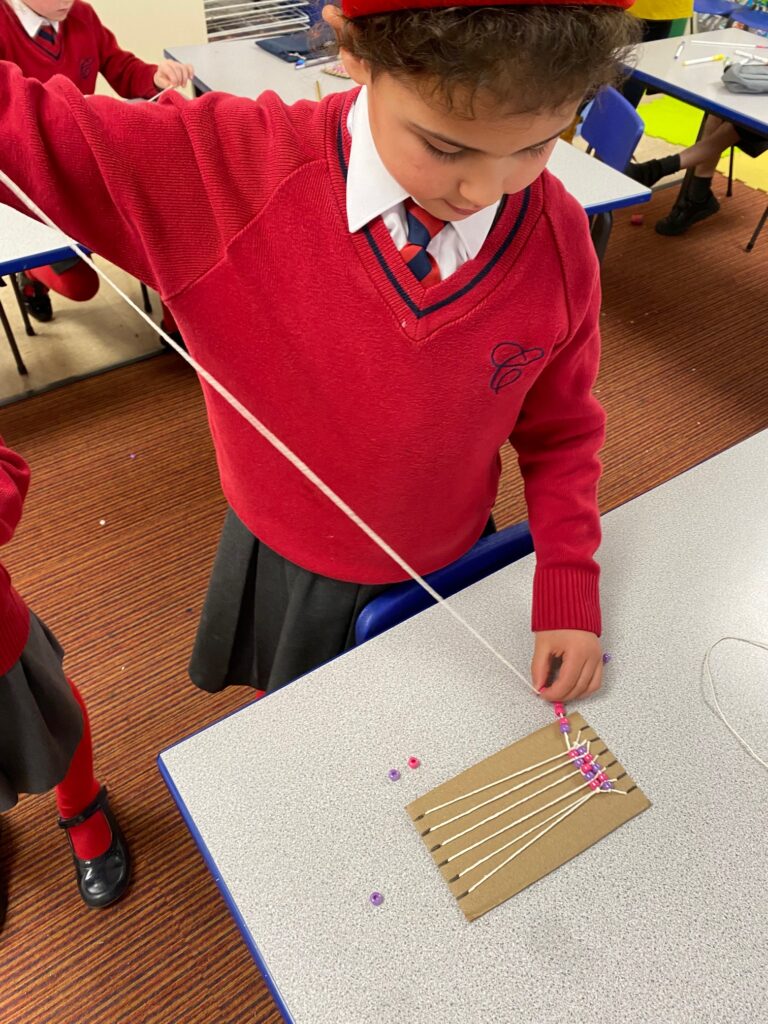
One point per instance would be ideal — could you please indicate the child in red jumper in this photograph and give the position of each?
(65, 37)
(45, 738)
(414, 289)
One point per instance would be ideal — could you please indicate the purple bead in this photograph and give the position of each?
(579, 763)
(606, 785)
(565, 726)
(581, 750)
(607, 658)
(590, 774)
(393, 774)
(596, 766)
(376, 899)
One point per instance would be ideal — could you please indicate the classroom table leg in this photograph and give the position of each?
(601, 232)
(22, 307)
(760, 225)
(145, 298)
(12, 342)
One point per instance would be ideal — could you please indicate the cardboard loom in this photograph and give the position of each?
(583, 827)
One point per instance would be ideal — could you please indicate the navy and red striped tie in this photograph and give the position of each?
(49, 40)
(422, 228)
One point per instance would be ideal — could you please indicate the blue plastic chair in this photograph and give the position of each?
(612, 128)
(714, 8)
(407, 599)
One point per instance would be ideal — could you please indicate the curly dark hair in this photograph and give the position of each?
(519, 58)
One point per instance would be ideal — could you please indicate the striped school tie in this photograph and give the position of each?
(422, 228)
(49, 40)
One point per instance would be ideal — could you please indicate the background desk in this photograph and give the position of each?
(244, 69)
(700, 84)
(660, 923)
(24, 243)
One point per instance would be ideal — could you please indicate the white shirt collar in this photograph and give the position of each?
(31, 22)
(371, 189)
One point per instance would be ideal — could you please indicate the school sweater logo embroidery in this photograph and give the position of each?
(86, 66)
(509, 359)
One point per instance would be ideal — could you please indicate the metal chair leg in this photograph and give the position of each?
(729, 190)
(22, 307)
(12, 342)
(760, 225)
(145, 297)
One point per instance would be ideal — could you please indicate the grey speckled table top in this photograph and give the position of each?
(663, 922)
(27, 241)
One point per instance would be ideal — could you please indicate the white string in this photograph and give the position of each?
(561, 818)
(513, 842)
(506, 792)
(562, 756)
(265, 432)
(714, 706)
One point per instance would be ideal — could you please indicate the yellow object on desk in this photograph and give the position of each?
(704, 60)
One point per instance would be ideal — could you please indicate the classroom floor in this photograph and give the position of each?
(83, 338)
(683, 376)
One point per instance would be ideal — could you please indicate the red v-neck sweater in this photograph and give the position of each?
(85, 48)
(14, 616)
(398, 397)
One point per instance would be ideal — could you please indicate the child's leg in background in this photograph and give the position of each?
(77, 281)
(78, 788)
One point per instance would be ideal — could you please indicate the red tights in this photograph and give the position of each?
(78, 789)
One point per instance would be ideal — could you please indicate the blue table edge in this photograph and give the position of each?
(40, 259)
(697, 100)
(223, 888)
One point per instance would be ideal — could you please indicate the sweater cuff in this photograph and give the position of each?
(566, 598)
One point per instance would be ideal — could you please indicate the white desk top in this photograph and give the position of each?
(700, 84)
(25, 242)
(244, 69)
(662, 921)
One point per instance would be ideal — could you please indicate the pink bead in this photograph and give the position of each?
(602, 777)
(585, 769)
(573, 753)
(594, 784)
(413, 762)
(588, 759)
(559, 710)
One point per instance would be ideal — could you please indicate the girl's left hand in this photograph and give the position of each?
(579, 657)
(172, 74)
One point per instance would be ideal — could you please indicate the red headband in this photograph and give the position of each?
(359, 8)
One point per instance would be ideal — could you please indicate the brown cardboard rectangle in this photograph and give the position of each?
(576, 833)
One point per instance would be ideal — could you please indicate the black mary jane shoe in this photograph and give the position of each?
(101, 880)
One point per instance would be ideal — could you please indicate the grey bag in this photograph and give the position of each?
(746, 77)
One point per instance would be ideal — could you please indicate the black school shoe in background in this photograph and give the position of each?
(687, 212)
(36, 299)
(101, 880)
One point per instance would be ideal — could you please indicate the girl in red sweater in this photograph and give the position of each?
(413, 290)
(65, 37)
(45, 737)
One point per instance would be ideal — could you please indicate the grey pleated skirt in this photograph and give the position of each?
(40, 720)
(266, 621)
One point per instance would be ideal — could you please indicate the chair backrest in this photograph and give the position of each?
(406, 599)
(612, 128)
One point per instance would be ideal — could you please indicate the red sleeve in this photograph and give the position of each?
(130, 77)
(14, 482)
(160, 188)
(557, 438)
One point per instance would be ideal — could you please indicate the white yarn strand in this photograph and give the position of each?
(265, 432)
(714, 704)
